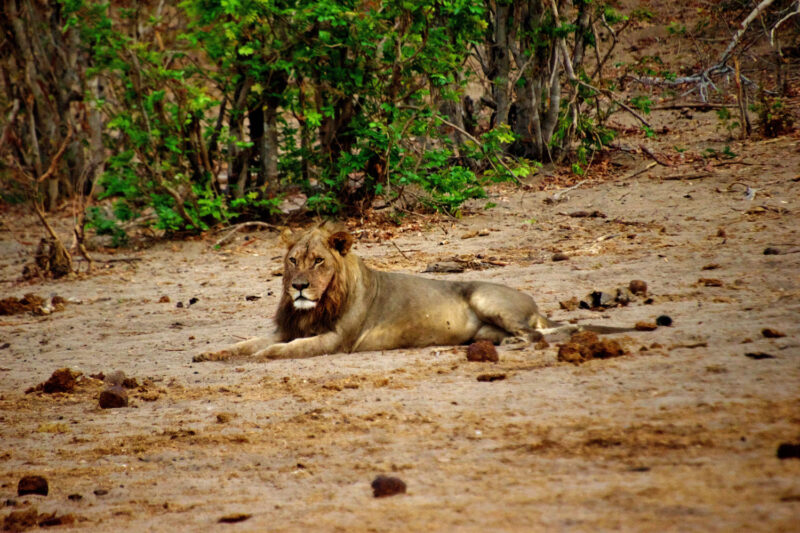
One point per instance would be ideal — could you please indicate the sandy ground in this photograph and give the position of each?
(681, 434)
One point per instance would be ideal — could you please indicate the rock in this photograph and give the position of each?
(645, 326)
(710, 282)
(599, 299)
(560, 256)
(62, 380)
(252, 298)
(100, 492)
(482, 351)
(663, 320)
(75, 497)
(193, 301)
(499, 376)
(788, 450)
(115, 378)
(638, 287)
(32, 485)
(383, 486)
(769, 250)
(771, 333)
(164, 299)
(113, 397)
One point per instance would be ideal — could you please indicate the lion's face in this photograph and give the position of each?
(311, 265)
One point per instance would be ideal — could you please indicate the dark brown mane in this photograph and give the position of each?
(294, 323)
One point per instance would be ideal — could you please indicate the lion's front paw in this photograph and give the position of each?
(276, 351)
(221, 355)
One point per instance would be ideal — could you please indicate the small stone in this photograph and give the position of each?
(383, 486)
(664, 320)
(645, 326)
(115, 378)
(193, 301)
(771, 333)
(601, 299)
(164, 299)
(560, 256)
(179, 305)
(638, 287)
(788, 450)
(100, 492)
(482, 351)
(32, 485)
(113, 397)
(252, 298)
(710, 282)
(75, 497)
(769, 250)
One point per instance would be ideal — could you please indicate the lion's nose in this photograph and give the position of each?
(300, 284)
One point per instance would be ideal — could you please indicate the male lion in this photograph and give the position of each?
(332, 302)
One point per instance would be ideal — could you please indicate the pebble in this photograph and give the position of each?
(560, 256)
(638, 286)
(387, 486)
(664, 320)
(769, 250)
(113, 397)
(32, 485)
(788, 450)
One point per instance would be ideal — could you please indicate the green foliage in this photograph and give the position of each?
(103, 225)
(355, 92)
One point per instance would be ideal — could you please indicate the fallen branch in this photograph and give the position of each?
(654, 157)
(692, 176)
(237, 227)
(640, 171)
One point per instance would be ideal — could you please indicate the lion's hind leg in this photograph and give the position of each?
(506, 313)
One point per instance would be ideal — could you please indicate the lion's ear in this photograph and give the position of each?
(341, 241)
(288, 238)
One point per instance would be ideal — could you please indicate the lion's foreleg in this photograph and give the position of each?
(302, 348)
(240, 349)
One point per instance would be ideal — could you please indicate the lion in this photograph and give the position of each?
(332, 302)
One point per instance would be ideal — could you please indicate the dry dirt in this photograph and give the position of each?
(680, 434)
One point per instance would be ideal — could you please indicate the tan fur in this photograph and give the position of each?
(332, 302)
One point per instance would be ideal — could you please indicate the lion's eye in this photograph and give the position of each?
(318, 260)
(292, 260)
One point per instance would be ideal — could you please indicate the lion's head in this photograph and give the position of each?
(314, 280)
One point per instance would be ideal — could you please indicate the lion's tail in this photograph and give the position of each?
(546, 326)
